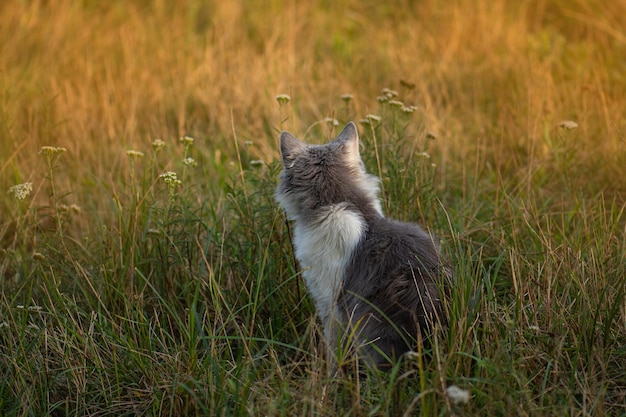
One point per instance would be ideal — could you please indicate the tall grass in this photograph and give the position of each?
(156, 277)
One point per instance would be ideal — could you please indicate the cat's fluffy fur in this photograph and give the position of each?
(377, 283)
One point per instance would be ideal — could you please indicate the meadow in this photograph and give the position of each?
(146, 270)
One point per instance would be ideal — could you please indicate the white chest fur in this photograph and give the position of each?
(323, 250)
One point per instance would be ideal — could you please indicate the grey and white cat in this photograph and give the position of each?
(377, 283)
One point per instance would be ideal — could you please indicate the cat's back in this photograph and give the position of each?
(395, 259)
(389, 241)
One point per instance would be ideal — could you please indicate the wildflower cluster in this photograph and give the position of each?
(157, 145)
(171, 179)
(49, 152)
(134, 154)
(21, 191)
(389, 97)
(283, 99)
(568, 125)
(371, 119)
(331, 121)
(186, 140)
(190, 162)
(408, 109)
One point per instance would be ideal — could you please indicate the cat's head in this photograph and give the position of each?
(315, 177)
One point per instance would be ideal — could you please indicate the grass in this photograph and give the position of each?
(126, 294)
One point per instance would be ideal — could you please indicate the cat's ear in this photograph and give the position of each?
(349, 140)
(290, 147)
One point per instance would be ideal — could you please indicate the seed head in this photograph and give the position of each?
(39, 257)
(407, 84)
(395, 103)
(347, 97)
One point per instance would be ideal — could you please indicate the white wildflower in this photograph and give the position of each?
(186, 140)
(248, 143)
(21, 191)
(171, 179)
(283, 99)
(257, 163)
(395, 103)
(568, 124)
(190, 162)
(458, 395)
(373, 118)
(50, 151)
(331, 121)
(412, 355)
(134, 154)
(346, 97)
(157, 145)
(389, 93)
(409, 109)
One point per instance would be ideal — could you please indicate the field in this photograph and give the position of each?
(145, 268)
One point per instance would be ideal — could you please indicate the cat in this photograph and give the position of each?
(378, 284)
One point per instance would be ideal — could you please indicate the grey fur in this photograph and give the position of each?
(393, 282)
